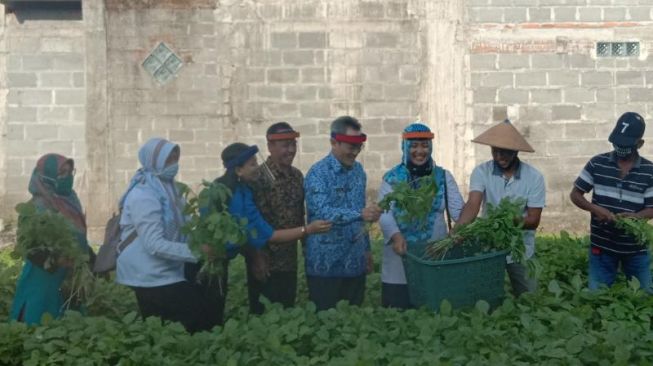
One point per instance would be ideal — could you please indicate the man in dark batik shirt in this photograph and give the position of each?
(279, 195)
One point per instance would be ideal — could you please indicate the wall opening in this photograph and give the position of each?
(27, 10)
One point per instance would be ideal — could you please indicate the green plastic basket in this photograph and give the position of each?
(461, 281)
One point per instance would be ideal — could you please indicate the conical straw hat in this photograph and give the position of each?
(504, 136)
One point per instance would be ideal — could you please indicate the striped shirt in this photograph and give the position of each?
(632, 193)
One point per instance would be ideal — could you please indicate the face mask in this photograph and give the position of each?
(169, 172)
(623, 152)
(64, 186)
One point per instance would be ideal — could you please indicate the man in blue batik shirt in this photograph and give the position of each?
(338, 261)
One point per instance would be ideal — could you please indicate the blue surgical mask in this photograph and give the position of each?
(169, 172)
(622, 151)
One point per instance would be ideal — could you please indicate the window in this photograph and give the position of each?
(617, 49)
(162, 64)
(44, 10)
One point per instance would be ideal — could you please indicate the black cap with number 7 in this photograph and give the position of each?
(628, 131)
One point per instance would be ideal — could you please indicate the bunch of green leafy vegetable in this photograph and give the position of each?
(211, 224)
(46, 237)
(500, 229)
(639, 228)
(412, 201)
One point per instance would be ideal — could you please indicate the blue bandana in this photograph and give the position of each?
(242, 157)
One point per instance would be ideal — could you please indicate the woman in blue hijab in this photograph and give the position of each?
(153, 264)
(417, 162)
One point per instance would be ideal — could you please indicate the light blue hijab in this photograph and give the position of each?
(152, 156)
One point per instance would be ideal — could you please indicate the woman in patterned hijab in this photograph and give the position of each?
(417, 162)
(39, 291)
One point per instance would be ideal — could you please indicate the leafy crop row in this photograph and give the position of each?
(562, 323)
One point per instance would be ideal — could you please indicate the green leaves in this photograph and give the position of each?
(49, 238)
(211, 224)
(411, 204)
(562, 324)
(500, 229)
(45, 234)
(639, 228)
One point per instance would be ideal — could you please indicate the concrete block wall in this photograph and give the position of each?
(189, 110)
(248, 65)
(535, 62)
(44, 105)
(315, 60)
(79, 88)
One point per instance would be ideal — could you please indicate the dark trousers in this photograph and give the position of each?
(520, 281)
(395, 296)
(181, 302)
(214, 292)
(325, 292)
(280, 287)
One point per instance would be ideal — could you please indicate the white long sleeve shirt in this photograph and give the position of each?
(392, 268)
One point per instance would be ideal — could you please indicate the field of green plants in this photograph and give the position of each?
(562, 324)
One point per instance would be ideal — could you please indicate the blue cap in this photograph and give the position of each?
(628, 131)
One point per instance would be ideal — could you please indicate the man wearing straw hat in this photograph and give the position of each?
(507, 176)
(279, 195)
(622, 184)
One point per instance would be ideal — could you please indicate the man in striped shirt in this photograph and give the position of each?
(622, 181)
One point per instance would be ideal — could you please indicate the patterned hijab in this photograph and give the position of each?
(153, 156)
(407, 172)
(41, 186)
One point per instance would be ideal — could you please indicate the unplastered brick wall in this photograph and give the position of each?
(248, 65)
(245, 65)
(189, 110)
(44, 106)
(460, 67)
(535, 63)
(311, 61)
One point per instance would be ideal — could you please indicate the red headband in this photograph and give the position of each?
(418, 135)
(282, 136)
(350, 139)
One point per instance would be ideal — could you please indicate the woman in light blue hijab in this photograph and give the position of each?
(153, 264)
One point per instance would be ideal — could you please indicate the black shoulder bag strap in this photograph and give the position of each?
(446, 201)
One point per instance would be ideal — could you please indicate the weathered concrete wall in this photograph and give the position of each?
(44, 109)
(79, 87)
(3, 111)
(247, 65)
(536, 63)
(253, 64)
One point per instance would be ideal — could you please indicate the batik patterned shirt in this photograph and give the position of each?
(282, 205)
(336, 193)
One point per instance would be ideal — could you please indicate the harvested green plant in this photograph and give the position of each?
(413, 200)
(211, 224)
(44, 236)
(639, 228)
(500, 229)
